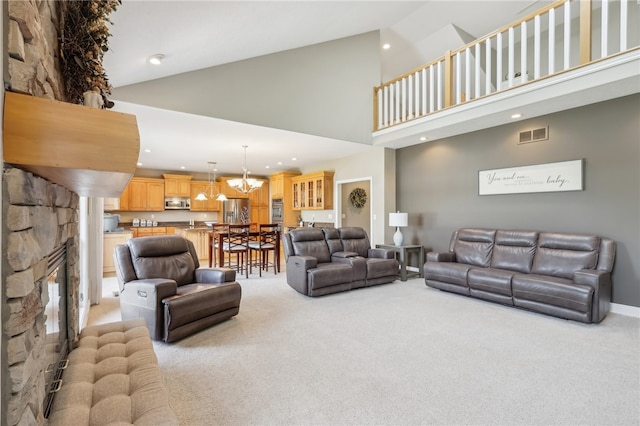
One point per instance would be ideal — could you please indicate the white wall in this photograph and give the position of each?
(377, 164)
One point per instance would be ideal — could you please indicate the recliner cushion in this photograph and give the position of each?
(310, 242)
(475, 246)
(178, 267)
(491, 280)
(329, 274)
(560, 255)
(355, 239)
(514, 250)
(552, 291)
(448, 272)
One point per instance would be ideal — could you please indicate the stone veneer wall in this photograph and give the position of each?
(32, 46)
(37, 216)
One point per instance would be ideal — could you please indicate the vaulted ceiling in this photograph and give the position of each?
(194, 35)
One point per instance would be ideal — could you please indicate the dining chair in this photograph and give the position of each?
(268, 239)
(216, 229)
(236, 242)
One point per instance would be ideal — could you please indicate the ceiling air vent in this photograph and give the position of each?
(534, 135)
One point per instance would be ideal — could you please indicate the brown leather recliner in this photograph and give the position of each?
(161, 281)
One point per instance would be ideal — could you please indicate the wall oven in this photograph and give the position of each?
(277, 211)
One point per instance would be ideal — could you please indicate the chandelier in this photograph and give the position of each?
(245, 185)
(209, 195)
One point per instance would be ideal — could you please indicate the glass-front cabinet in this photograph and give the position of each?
(313, 191)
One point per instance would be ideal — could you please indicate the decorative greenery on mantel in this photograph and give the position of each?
(84, 35)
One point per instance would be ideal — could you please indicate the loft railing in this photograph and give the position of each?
(562, 36)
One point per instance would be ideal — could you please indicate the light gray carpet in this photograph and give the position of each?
(400, 354)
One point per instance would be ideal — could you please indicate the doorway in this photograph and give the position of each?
(354, 207)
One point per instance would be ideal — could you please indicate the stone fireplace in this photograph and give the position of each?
(39, 217)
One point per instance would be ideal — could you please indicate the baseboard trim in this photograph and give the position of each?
(626, 310)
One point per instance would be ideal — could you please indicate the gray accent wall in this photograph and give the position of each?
(437, 183)
(324, 89)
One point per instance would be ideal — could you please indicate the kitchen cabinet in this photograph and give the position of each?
(111, 204)
(145, 231)
(312, 191)
(144, 194)
(177, 185)
(110, 241)
(281, 188)
(200, 240)
(260, 204)
(206, 205)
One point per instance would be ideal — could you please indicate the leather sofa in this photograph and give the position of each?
(161, 281)
(560, 274)
(331, 260)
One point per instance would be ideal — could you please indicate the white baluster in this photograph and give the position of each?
(487, 83)
(511, 57)
(499, 61)
(623, 25)
(403, 101)
(458, 78)
(567, 34)
(432, 88)
(604, 29)
(467, 73)
(552, 41)
(424, 91)
(398, 101)
(386, 106)
(536, 47)
(392, 103)
(380, 93)
(523, 53)
(440, 91)
(477, 70)
(410, 96)
(416, 78)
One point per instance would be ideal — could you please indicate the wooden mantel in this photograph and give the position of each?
(90, 151)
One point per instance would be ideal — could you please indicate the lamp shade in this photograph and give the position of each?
(398, 219)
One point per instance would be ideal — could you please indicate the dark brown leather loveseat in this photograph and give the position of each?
(161, 281)
(330, 260)
(560, 274)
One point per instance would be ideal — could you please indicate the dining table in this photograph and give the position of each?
(216, 239)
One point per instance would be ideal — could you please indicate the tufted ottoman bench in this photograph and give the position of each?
(113, 378)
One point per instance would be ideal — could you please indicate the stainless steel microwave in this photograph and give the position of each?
(177, 203)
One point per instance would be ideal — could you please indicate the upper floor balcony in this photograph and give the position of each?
(568, 54)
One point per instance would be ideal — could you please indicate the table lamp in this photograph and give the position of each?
(398, 219)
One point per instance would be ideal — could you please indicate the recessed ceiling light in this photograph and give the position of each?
(266, 167)
(279, 163)
(156, 59)
(139, 164)
(182, 167)
(518, 115)
(386, 46)
(294, 159)
(147, 150)
(423, 138)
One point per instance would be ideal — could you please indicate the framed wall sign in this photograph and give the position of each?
(549, 177)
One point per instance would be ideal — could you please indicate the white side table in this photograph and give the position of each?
(401, 254)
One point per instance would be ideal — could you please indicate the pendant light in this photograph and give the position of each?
(209, 195)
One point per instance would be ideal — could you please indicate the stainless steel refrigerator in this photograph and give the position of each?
(236, 210)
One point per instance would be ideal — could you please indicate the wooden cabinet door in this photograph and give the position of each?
(110, 241)
(196, 188)
(137, 195)
(124, 199)
(277, 186)
(155, 194)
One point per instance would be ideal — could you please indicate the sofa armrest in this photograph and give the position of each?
(143, 299)
(601, 283)
(378, 253)
(343, 254)
(297, 267)
(434, 256)
(215, 275)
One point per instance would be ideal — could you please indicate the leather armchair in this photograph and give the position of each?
(161, 281)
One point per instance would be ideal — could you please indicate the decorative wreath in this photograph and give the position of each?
(358, 198)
